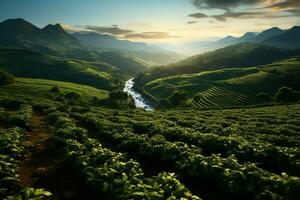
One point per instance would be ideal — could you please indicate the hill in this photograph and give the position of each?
(229, 87)
(15, 32)
(235, 56)
(156, 55)
(274, 37)
(267, 34)
(55, 41)
(240, 55)
(288, 39)
(25, 63)
(40, 88)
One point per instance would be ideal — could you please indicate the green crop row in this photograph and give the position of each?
(111, 173)
(11, 153)
(245, 181)
(22, 117)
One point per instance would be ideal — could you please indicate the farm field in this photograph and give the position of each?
(150, 100)
(244, 153)
(228, 87)
(36, 88)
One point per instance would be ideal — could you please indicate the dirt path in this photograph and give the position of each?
(45, 167)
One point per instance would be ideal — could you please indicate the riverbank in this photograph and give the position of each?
(139, 101)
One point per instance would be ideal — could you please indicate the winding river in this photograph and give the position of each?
(139, 101)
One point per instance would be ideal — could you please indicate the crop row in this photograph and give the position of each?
(245, 181)
(267, 156)
(11, 153)
(110, 173)
(22, 117)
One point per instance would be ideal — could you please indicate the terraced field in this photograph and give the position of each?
(40, 88)
(229, 87)
(247, 153)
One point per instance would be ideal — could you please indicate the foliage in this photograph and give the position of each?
(111, 173)
(179, 98)
(224, 87)
(286, 94)
(22, 117)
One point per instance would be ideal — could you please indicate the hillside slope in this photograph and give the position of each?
(15, 32)
(37, 88)
(55, 41)
(289, 39)
(229, 87)
(152, 54)
(24, 63)
(240, 55)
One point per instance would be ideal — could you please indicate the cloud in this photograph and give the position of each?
(241, 15)
(287, 4)
(295, 12)
(198, 15)
(223, 4)
(150, 35)
(72, 29)
(191, 22)
(251, 15)
(112, 30)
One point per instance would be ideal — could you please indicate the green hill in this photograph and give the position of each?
(55, 41)
(229, 87)
(29, 64)
(289, 39)
(235, 56)
(19, 32)
(39, 88)
(240, 55)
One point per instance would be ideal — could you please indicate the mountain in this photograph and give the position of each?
(156, 55)
(29, 64)
(275, 37)
(55, 41)
(235, 56)
(267, 34)
(289, 39)
(18, 32)
(239, 55)
(245, 38)
(55, 33)
(104, 41)
(205, 46)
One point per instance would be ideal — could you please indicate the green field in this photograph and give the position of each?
(248, 153)
(36, 88)
(229, 87)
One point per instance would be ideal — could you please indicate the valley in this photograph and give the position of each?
(91, 109)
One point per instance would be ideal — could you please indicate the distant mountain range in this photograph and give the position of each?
(20, 33)
(104, 41)
(54, 40)
(275, 37)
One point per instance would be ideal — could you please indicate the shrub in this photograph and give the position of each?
(55, 89)
(163, 104)
(286, 94)
(178, 98)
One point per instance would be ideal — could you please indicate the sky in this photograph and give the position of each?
(158, 21)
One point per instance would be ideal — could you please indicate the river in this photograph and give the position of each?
(139, 101)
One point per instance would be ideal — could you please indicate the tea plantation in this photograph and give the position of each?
(246, 153)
